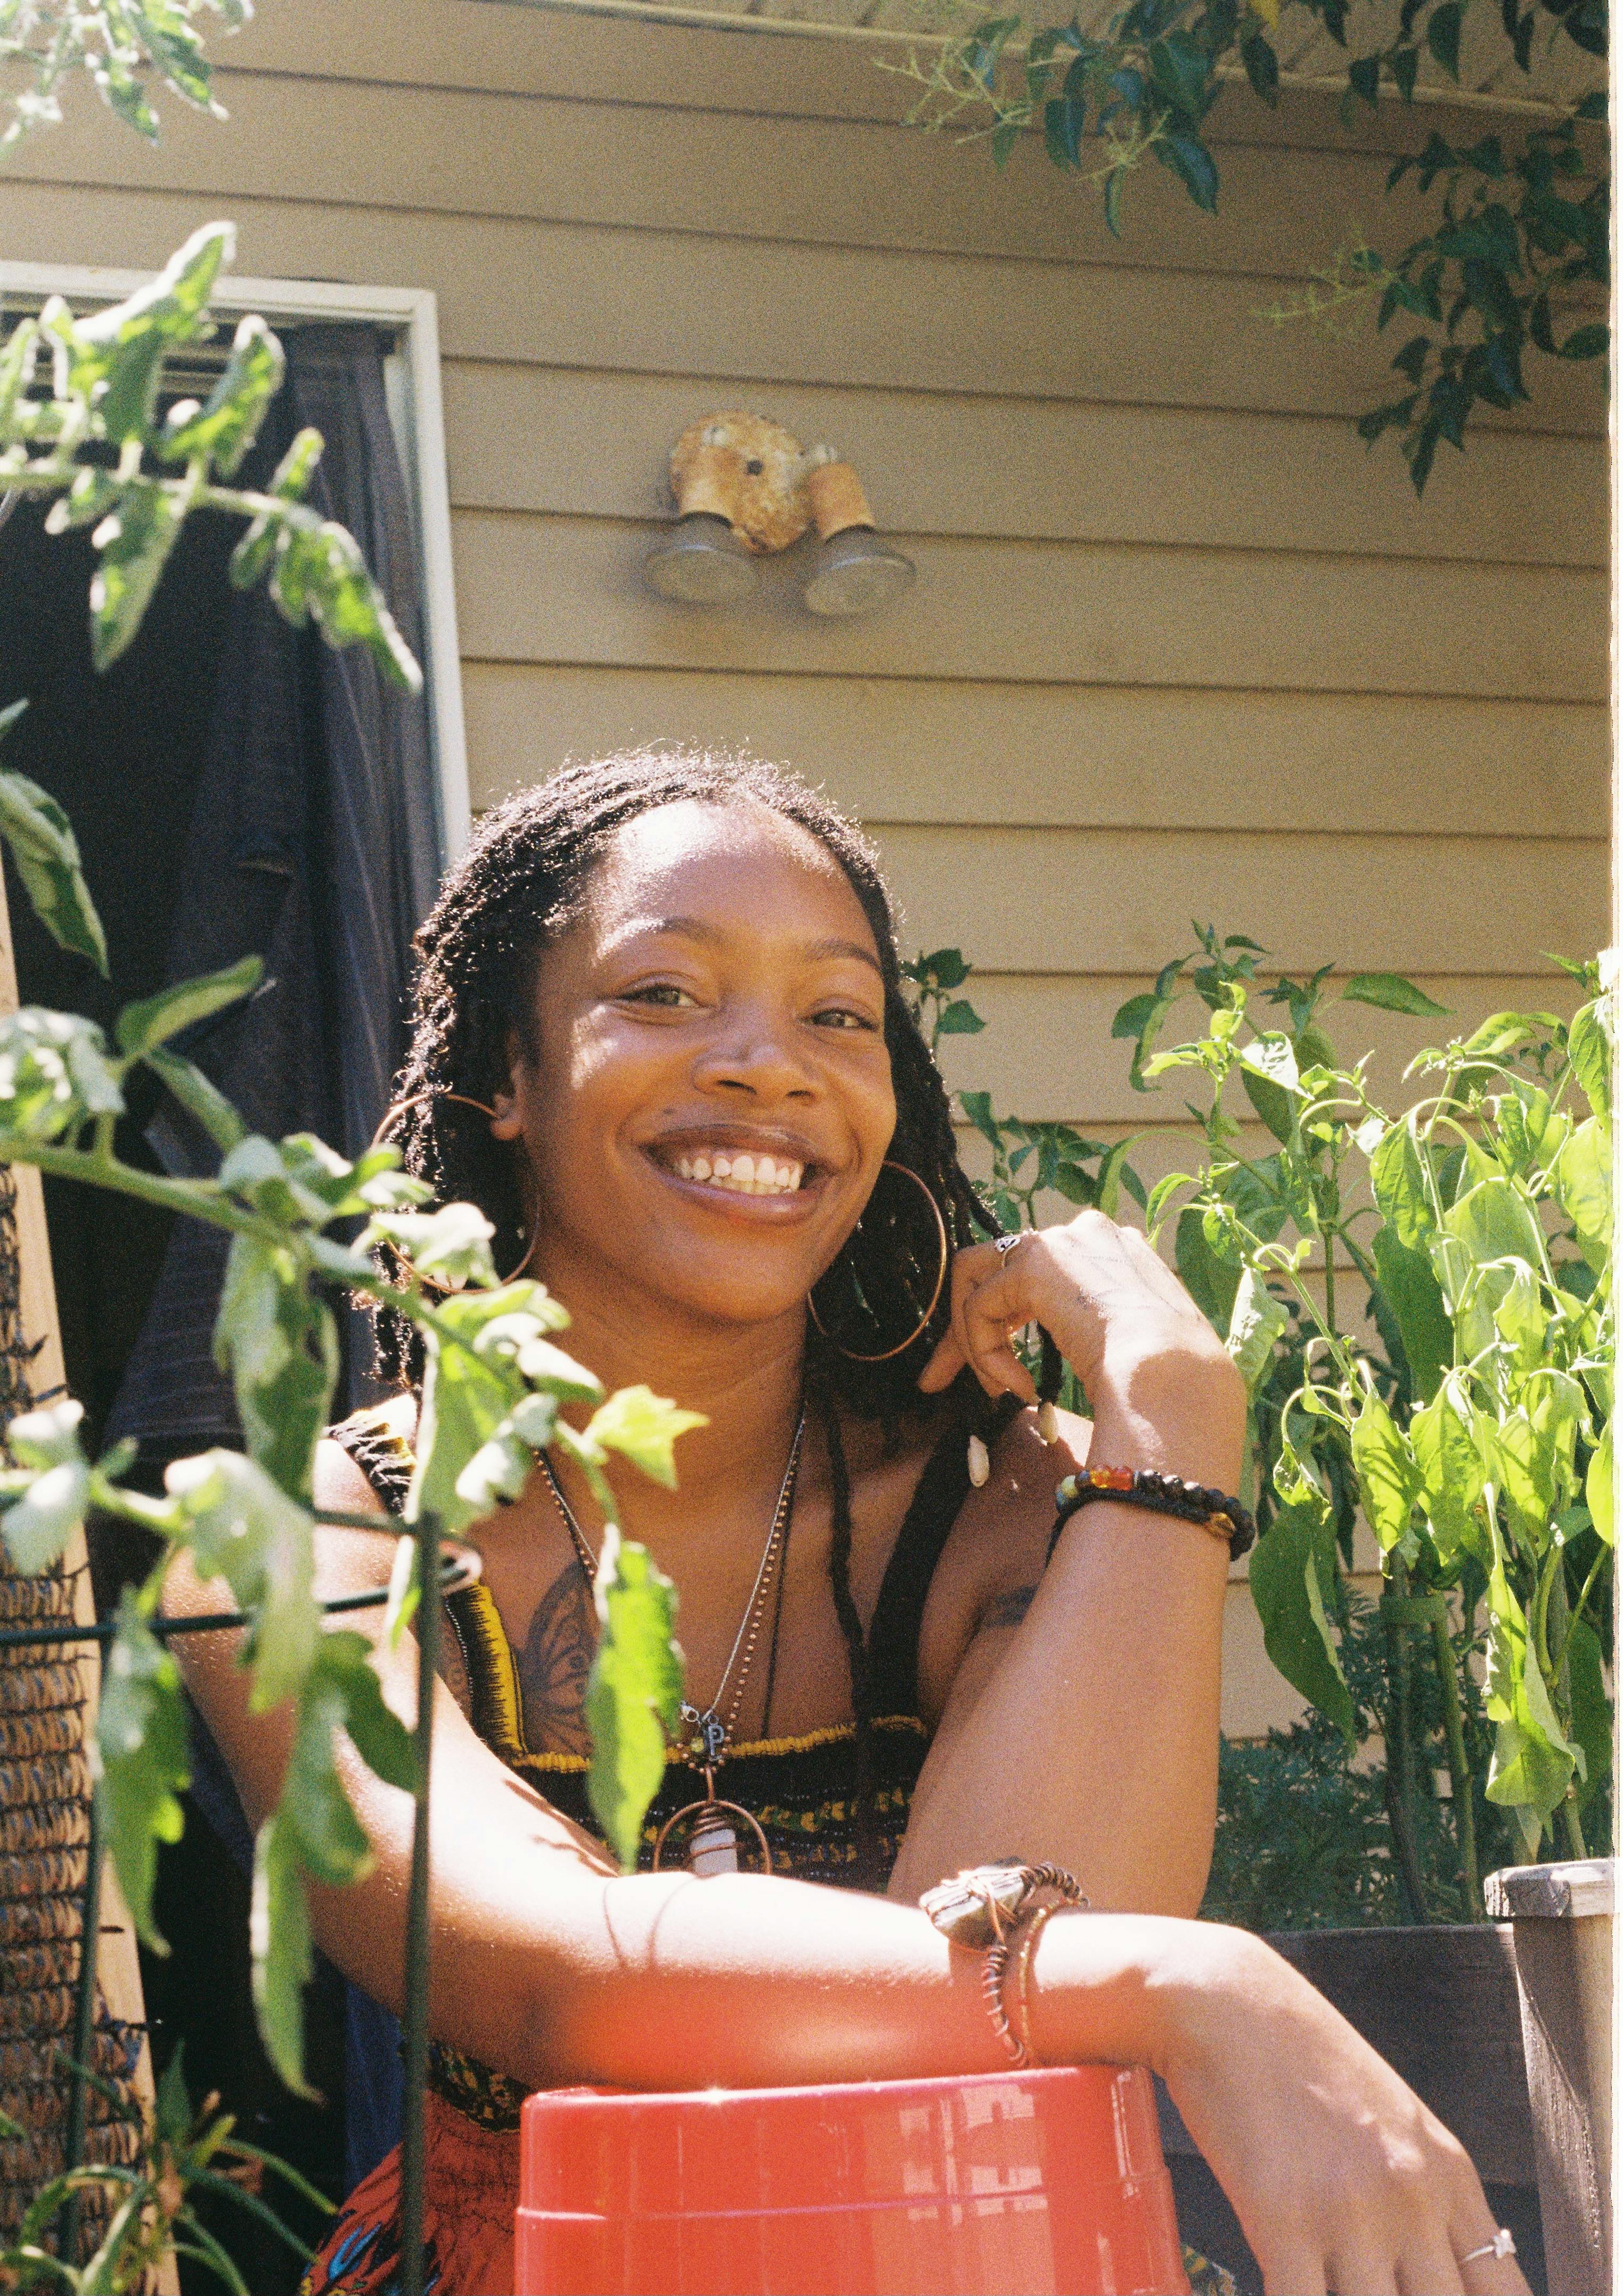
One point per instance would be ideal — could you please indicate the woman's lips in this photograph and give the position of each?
(720, 1168)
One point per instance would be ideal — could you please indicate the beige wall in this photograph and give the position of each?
(1179, 646)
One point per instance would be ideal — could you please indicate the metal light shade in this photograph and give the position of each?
(702, 562)
(856, 573)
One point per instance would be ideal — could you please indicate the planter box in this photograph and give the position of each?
(1562, 1916)
(1440, 2005)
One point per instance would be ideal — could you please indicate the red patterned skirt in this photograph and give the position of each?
(471, 2195)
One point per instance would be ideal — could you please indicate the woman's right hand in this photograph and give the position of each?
(1341, 2177)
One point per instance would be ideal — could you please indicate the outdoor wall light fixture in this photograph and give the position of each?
(745, 488)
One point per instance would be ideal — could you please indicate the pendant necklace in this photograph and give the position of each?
(713, 1842)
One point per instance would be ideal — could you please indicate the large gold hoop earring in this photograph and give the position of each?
(885, 1354)
(429, 1283)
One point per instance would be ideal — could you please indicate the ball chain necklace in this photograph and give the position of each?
(713, 1845)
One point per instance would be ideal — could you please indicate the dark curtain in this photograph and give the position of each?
(313, 844)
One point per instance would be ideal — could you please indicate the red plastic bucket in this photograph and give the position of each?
(1028, 2184)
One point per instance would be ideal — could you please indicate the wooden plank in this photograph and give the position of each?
(594, 443)
(535, 50)
(816, 181)
(571, 590)
(658, 302)
(1046, 1052)
(1120, 901)
(911, 750)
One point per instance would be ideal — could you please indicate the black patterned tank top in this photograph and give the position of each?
(802, 1791)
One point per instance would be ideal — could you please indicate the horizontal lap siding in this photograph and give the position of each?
(1179, 646)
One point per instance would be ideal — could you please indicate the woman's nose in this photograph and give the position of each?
(753, 1055)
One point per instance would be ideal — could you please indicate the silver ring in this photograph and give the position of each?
(1503, 2243)
(1005, 1244)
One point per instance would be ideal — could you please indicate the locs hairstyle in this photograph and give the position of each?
(520, 885)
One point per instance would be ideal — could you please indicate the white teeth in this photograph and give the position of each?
(744, 1173)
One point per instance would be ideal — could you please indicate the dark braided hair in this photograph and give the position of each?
(519, 886)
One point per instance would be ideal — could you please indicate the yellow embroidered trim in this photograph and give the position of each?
(498, 1707)
(836, 1736)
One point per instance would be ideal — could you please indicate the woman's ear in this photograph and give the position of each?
(505, 1121)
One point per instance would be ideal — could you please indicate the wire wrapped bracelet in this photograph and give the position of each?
(1169, 1495)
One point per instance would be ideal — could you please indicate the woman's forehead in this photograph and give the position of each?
(739, 863)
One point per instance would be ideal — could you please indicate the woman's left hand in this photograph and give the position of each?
(1110, 1304)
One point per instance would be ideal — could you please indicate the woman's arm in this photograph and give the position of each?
(1088, 1734)
(550, 1966)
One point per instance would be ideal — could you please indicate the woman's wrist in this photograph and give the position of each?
(1133, 1989)
(1181, 1415)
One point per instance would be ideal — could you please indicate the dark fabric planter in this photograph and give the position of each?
(1440, 2005)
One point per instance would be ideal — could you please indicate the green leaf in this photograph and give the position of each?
(1449, 1458)
(280, 1344)
(1589, 1050)
(134, 541)
(1581, 1181)
(1417, 1301)
(140, 1028)
(451, 1244)
(1591, 1708)
(1268, 1074)
(142, 1758)
(284, 1957)
(202, 1100)
(38, 1525)
(1191, 161)
(1598, 1489)
(465, 1399)
(1212, 1283)
(54, 1073)
(1261, 67)
(1398, 1178)
(1255, 1323)
(1533, 1760)
(643, 1427)
(1495, 1221)
(46, 855)
(226, 427)
(977, 1107)
(634, 1696)
(115, 354)
(1390, 1480)
(1392, 994)
(960, 1019)
(1443, 35)
(246, 1529)
(1292, 1566)
(1141, 1018)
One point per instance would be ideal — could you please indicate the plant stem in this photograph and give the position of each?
(83, 2024)
(1459, 1767)
(198, 1200)
(416, 2022)
(1400, 1754)
(1572, 1825)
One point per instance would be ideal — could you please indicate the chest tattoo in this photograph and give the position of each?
(553, 1665)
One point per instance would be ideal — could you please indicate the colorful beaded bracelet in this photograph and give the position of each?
(1171, 1495)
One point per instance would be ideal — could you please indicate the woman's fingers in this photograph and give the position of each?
(1429, 2267)
(1361, 2269)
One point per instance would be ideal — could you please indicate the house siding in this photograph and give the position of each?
(1179, 646)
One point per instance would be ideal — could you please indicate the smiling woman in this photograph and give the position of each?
(661, 1038)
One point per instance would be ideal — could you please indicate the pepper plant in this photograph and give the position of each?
(82, 419)
(1460, 1399)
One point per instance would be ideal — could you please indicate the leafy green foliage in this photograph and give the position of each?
(634, 1696)
(46, 855)
(75, 391)
(176, 2153)
(1516, 262)
(1471, 1434)
(120, 44)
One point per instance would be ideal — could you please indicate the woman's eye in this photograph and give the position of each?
(664, 993)
(843, 1016)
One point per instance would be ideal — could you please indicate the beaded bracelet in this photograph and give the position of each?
(1171, 1495)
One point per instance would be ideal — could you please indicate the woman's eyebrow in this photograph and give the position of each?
(699, 928)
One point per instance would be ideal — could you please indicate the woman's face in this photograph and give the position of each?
(711, 1098)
